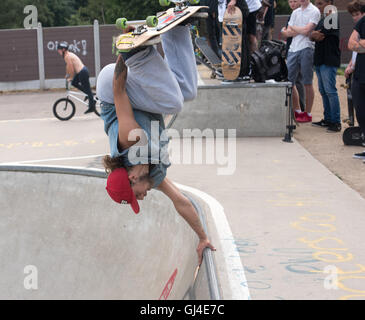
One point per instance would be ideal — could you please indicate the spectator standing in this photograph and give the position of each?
(212, 25)
(327, 59)
(254, 7)
(269, 21)
(354, 8)
(357, 44)
(298, 88)
(300, 56)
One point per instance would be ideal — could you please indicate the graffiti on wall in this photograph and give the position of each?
(78, 47)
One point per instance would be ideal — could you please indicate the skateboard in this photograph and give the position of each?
(232, 44)
(155, 25)
(209, 57)
(350, 107)
(353, 136)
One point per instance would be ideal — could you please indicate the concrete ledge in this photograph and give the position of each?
(253, 109)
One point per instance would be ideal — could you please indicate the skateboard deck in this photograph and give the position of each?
(166, 21)
(350, 107)
(232, 44)
(352, 136)
(208, 52)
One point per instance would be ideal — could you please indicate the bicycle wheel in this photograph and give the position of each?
(64, 109)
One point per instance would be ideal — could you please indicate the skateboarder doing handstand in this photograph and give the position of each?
(77, 73)
(134, 93)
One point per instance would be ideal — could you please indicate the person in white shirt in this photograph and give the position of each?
(300, 56)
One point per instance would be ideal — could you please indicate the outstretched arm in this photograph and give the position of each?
(185, 208)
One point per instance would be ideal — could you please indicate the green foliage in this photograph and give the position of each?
(11, 14)
(107, 11)
(52, 13)
(282, 7)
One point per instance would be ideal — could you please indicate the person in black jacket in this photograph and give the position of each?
(327, 59)
(357, 44)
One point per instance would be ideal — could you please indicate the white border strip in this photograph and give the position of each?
(236, 274)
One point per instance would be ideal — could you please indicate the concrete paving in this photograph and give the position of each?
(285, 227)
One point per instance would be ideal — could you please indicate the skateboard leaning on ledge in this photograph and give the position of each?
(232, 44)
(155, 25)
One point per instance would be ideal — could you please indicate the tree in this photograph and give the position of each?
(282, 7)
(108, 11)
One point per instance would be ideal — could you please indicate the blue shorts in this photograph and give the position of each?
(300, 61)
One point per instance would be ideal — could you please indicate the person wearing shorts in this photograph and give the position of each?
(134, 93)
(253, 9)
(301, 52)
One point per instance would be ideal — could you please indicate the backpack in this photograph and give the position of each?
(269, 62)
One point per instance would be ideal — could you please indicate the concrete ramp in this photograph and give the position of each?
(61, 237)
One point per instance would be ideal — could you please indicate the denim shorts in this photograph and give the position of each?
(302, 61)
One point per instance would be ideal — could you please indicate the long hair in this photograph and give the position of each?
(111, 164)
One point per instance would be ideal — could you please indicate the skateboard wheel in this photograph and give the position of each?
(121, 23)
(152, 21)
(194, 1)
(164, 3)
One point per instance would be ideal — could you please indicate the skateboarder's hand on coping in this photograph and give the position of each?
(203, 243)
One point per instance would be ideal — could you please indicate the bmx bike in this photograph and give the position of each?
(65, 108)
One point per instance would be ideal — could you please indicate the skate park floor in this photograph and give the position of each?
(284, 226)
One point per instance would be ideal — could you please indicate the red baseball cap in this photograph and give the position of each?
(119, 188)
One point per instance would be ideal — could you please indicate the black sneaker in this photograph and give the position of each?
(359, 155)
(323, 124)
(90, 109)
(334, 127)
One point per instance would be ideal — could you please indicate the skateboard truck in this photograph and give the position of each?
(139, 30)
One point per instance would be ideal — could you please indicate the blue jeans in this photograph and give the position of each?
(327, 87)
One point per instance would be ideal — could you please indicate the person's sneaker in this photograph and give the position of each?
(334, 127)
(304, 118)
(242, 79)
(359, 155)
(322, 124)
(225, 81)
(298, 115)
(90, 109)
